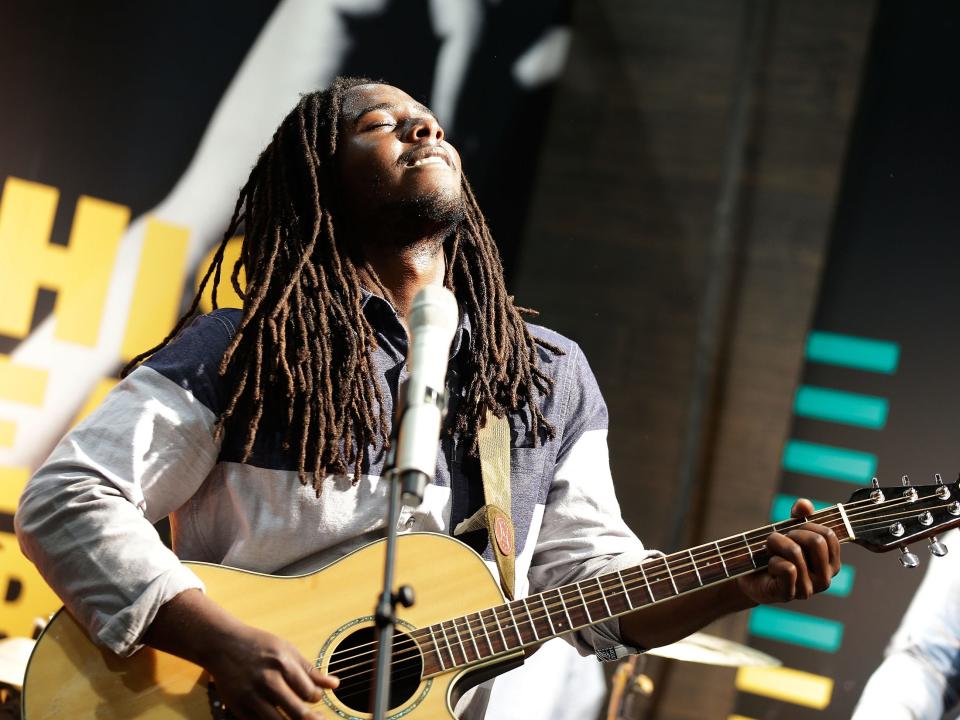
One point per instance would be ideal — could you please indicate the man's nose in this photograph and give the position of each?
(424, 128)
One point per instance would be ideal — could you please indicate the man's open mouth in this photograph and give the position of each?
(430, 155)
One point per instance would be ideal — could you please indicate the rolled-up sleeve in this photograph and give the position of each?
(85, 518)
(583, 533)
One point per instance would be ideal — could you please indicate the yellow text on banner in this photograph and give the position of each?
(22, 383)
(24, 596)
(80, 272)
(156, 295)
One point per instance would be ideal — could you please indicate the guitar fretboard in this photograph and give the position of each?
(496, 631)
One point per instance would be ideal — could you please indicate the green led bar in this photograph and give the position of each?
(796, 628)
(837, 406)
(880, 356)
(828, 461)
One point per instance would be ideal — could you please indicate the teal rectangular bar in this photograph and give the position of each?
(828, 461)
(848, 408)
(842, 583)
(880, 356)
(796, 628)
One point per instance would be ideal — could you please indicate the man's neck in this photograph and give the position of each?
(406, 270)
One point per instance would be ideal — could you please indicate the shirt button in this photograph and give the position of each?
(411, 521)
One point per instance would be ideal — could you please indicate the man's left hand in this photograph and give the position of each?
(802, 562)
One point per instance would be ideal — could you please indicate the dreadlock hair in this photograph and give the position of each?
(303, 345)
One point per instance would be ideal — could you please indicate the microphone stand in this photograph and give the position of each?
(385, 615)
(410, 485)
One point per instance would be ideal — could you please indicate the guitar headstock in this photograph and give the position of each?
(884, 518)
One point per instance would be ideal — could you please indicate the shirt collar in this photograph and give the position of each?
(382, 315)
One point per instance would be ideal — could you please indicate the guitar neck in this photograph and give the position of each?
(529, 621)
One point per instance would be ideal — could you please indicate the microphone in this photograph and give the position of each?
(433, 321)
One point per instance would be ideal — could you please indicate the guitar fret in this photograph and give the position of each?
(749, 550)
(483, 625)
(695, 569)
(463, 649)
(604, 596)
(436, 645)
(476, 648)
(453, 659)
(516, 625)
(546, 609)
(647, 583)
(563, 604)
(666, 564)
(626, 593)
(496, 616)
(584, 601)
(726, 572)
(533, 625)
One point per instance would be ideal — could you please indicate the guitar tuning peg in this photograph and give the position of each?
(937, 548)
(875, 483)
(942, 491)
(908, 559)
(905, 480)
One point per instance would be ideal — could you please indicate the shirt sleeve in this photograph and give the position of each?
(920, 674)
(583, 533)
(85, 518)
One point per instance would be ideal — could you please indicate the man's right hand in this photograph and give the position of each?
(257, 674)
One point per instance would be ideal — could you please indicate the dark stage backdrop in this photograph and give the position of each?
(126, 130)
(880, 390)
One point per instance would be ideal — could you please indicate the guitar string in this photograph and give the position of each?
(409, 647)
(884, 520)
(654, 577)
(502, 614)
(413, 650)
(707, 551)
(535, 615)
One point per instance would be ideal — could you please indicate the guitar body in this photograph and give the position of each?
(70, 677)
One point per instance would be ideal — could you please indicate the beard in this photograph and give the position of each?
(433, 214)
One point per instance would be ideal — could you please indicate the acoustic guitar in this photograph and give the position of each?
(459, 632)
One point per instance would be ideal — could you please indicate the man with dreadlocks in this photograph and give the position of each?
(262, 432)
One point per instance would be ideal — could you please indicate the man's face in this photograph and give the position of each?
(392, 156)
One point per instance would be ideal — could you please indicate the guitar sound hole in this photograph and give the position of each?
(354, 662)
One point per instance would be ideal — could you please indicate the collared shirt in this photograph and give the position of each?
(149, 452)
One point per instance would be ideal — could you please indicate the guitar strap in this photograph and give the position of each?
(494, 441)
